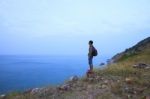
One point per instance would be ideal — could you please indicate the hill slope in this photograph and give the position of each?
(140, 47)
(119, 80)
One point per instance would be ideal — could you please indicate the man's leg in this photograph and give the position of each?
(90, 72)
(91, 67)
(91, 63)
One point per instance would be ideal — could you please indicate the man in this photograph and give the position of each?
(92, 52)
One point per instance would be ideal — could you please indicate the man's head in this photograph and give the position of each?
(90, 42)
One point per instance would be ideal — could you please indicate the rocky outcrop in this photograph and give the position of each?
(141, 66)
(101, 64)
(139, 47)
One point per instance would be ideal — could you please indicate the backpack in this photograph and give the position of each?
(94, 52)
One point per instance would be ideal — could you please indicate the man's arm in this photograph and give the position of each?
(90, 52)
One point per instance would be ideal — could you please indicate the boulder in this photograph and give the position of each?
(147, 67)
(90, 79)
(106, 81)
(141, 66)
(2, 96)
(90, 73)
(129, 90)
(64, 87)
(104, 86)
(35, 90)
(101, 64)
(139, 90)
(128, 80)
(146, 97)
(74, 78)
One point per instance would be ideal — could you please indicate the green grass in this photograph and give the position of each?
(140, 77)
(124, 57)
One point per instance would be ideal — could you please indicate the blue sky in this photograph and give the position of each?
(64, 27)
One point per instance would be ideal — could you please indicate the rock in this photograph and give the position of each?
(90, 73)
(2, 96)
(106, 81)
(129, 90)
(90, 79)
(79, 89)
(35, 90)
(97, 78)
(89, 86)
(101, 64)
(110, 61)
(64, 87)
(118, 81)
(103, 86)
(74, 78)
(102, 78)
(27, 91)
(141, 65)
(147, 67)
(129, 96)
(147, 97)
(128, 80)
(139, 90)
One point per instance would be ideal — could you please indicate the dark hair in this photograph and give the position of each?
(90, 42)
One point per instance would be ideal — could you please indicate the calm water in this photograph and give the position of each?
(24, 72)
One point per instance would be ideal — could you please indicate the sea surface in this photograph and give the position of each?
(22, 72)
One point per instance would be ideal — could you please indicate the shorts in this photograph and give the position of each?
(90, 59)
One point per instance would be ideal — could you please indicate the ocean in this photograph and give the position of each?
(22, 72)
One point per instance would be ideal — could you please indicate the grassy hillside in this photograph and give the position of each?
(137, 49)
(117, 81)
(136, 79)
